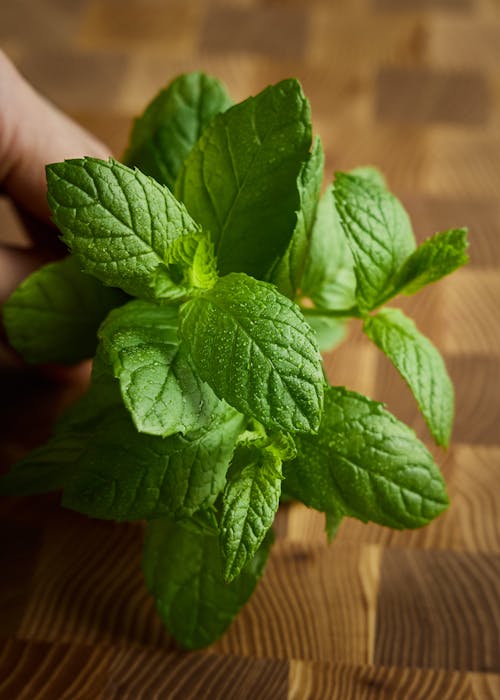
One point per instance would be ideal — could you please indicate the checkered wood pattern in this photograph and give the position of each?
(414, 87)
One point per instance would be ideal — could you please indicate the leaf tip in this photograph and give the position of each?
(231, 571)
(442, 438)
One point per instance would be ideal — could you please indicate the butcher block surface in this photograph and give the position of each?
(412, 86)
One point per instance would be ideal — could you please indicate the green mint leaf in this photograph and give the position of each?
(249, 503)
(202, 522)
(329, 331)
(369, 173)
(126, 475)
(125, 228)
(119, 473)
(254, 348)
(172, 123)
(367, 464)
(333, 519)
(436, 257)
(53, 316)
(421, 366)
(329, 271)
(379, 234)
(240, 180)
(288, 273)
(159, 387)
(183, 571)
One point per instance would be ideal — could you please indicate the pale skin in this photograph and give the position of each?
(33, 132)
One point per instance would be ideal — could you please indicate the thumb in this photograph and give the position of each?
(33, 133)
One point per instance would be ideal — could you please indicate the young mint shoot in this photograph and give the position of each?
(206, 273)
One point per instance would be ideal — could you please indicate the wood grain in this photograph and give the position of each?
(313, 681)
(36, 670)
(97, 672)
(470, 305)
(333, 606)
(446, 606)
(137, 674)
(412, 86)
(485, 686)
(19, 546)
(88, 586)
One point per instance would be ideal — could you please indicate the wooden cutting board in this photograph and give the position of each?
(414, 87)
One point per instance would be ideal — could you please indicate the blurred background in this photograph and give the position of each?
(412, 86)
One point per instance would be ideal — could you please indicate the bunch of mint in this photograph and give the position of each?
(206, 274)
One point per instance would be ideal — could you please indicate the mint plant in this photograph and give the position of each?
(206, 273)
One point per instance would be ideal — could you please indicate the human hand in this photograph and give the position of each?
(32, 133)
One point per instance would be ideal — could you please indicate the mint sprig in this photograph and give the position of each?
(208, 401)
(123, 227)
